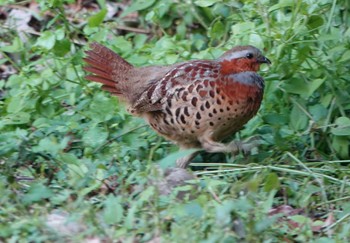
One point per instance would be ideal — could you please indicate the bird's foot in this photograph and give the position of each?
(246, 147)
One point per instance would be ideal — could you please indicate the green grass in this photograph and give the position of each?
(74, 165)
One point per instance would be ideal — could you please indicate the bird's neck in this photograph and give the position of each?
(247, 78)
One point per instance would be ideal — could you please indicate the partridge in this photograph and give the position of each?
(196, 103)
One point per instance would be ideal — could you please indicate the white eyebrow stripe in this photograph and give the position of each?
(236, 54)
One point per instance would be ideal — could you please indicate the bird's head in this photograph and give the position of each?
(242, 59)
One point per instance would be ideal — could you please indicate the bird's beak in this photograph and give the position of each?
(263, 59)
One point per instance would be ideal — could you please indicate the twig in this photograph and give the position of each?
(131, 29)
(336, 223)
(216, 198)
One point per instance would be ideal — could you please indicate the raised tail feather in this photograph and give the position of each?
(107, 68)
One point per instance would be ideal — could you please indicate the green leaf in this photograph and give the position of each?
(51, 145)
(342, 127)
(137, 6)
(69, 158)
(314, 22)
(305, 89)
(282, 4)
(298, 118)
(217, 30)
(102, 107)
(271, 182)
(17, 46)
(16, 118)
(113, 210)
(300, 219)
(193, 209)
(318, 112)
(206, 3)
(95, 136)
(170, 160)
(314, 85)
(341, 146)
(47, 40)
(62, 47)
(97, 19)
(37, 192)
(345, 57)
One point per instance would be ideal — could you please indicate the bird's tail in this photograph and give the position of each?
(108, 68)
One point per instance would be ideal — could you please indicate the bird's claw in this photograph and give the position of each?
(245, 146)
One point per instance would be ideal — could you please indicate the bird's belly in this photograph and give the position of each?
(184, 123)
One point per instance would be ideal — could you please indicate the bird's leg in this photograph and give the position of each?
(233, 147)
(186, 160)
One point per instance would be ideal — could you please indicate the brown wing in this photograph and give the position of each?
(175, 80)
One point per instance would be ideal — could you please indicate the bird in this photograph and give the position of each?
(195, 104)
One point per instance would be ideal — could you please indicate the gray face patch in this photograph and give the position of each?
(248, 78)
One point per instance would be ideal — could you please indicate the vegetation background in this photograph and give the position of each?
(76, 167)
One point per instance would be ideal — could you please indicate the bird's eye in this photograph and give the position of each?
(249, 55)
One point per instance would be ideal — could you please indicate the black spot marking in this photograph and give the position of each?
(150, 91)
(182, 118)
(197, 123)
(221, 110)
(165, 121)
(207, 104)
(211, 123)
(237, 102)
(186, 111)
(212, 93)
(172, 121)
(198, 116)
(180, 89)
(194, 101)
(202, 108)
(168, 111)
(228, 108)
(184, 96)
(236, 110)
(169, 103)
(218, 101)
(210, 114)
(192, 131)
(177, 112)
(214, 111)
(199, 87)
(222, 97)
